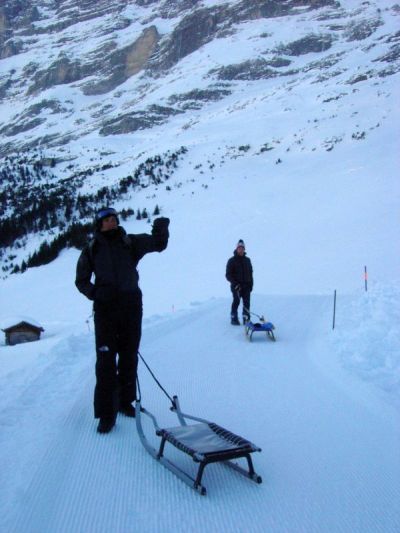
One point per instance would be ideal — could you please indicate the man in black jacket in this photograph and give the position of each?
(112, 256)
(239, 273)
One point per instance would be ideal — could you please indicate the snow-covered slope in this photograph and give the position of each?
(329, 439)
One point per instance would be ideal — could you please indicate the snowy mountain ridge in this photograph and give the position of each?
(48, 66)
(89, 92)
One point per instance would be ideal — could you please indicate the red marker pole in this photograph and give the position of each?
(365, 278)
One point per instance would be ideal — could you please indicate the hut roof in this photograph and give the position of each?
(21, 323)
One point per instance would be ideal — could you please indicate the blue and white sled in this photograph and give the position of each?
(262, 327)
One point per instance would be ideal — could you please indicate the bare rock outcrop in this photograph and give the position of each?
(121, 64)
(202, 25)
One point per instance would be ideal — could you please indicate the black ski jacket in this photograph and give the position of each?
(239, 271)
(113, 257)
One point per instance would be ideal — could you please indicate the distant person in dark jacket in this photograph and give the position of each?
(112, 256)
(239, 273)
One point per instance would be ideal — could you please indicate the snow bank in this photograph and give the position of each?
(367, 337)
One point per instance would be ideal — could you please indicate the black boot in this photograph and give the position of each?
(235, 321)
(127, 409)
(105, 425)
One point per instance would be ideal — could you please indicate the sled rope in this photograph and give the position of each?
(249, 312)
(156, 380)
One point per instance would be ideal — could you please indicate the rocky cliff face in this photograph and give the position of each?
(123, 63)
(111, 65)
(94, 47)
(197, 25)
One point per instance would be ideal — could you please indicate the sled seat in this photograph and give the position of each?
(207, 440)
(260, 326)
(207, 443)
(266, 327)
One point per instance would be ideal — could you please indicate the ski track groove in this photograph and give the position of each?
(19, 438)
(92, 480)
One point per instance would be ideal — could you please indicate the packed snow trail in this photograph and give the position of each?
(330, 462)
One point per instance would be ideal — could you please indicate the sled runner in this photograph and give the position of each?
(262, 326)
(205, 442)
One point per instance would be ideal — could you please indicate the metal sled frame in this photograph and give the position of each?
(266, 327)
(204, 441)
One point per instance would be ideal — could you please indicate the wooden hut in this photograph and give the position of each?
(22, 332)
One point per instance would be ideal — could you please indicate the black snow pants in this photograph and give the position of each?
(243, 295)
(118, 328)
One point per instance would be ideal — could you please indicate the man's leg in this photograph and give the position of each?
(234, 307)
(246, 305)
(105, 392)
(130, 331)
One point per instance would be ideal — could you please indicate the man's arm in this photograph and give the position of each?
(84, 271)
(251, 276)
(229, 271)
(156, 242)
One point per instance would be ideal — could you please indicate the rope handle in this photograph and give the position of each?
(261, 318)
(156, 380)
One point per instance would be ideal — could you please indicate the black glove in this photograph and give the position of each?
(238, 287)
(160, 225)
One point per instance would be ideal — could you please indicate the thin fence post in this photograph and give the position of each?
(365, 279)
(334, 309)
